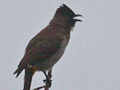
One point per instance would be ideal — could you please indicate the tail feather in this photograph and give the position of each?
(18, 71)
(28, 78)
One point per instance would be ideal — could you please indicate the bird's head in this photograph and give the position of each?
(65, 16)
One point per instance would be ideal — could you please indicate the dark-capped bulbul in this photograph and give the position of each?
(48, 46)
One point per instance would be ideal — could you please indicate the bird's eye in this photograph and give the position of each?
(71, 14)
(68, 20)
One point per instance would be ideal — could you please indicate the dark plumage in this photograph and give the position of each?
(48, 46)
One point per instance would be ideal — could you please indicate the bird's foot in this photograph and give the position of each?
(48, 81)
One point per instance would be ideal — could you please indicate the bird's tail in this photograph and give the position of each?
(18, 71)
(28, 78)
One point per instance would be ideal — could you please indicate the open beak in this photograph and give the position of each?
(76, 15)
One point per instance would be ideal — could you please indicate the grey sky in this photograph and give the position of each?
(92, 58)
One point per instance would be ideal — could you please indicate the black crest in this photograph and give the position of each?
(64, 10)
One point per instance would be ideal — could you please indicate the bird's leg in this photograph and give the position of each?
(48, 79)
(50, 74)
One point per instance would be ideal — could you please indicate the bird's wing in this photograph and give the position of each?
(41, 51)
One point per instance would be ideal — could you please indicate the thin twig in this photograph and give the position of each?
(39, 88)
(47, 85)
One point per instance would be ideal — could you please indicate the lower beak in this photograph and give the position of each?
(76, 15)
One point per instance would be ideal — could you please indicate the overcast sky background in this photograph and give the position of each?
(92, 58)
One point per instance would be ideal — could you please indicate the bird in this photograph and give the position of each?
(46, 48)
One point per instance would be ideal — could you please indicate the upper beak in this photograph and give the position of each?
(76, 15)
